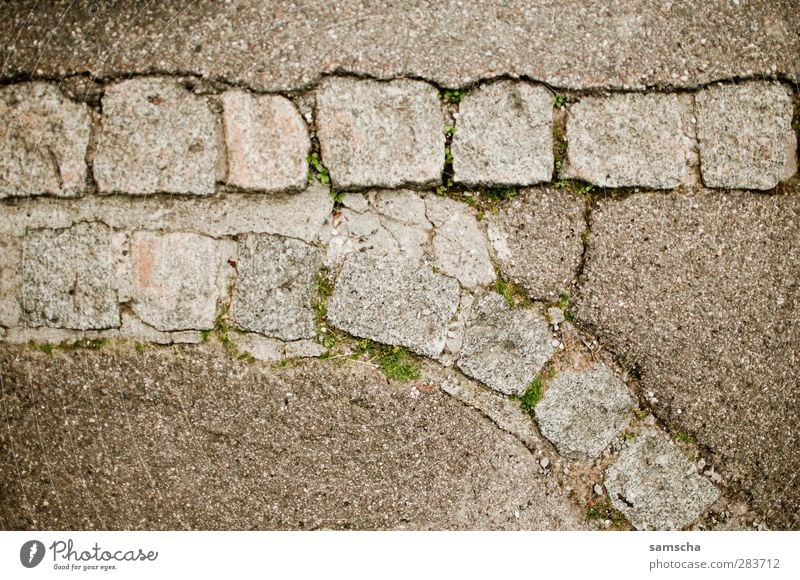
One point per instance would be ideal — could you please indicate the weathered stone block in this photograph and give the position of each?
(68, 278)
(267, 142)
(380, 134)
(536, 240)
(10, 280)
(582, 411)
(175, 280)
(504, 135)
(655, 486)
(157, 137)
(627, 140)
(504, 348)
(745, 135)
(275, 286)
(394, 300)
(459, 245)
(43, 141)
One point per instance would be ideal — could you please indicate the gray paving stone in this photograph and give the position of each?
(68, 278)
(504, 348)
(583, 410)
(627, 140)
(394, 300)
(175, 280)
(274, 287)
(655, 486)
(267, 142)
(10, 280)
(383, 222)
(459, 246)
(504, 135)
(745, 135)
(157, 137)
(43, 141)
(380, 134)
(536, 240)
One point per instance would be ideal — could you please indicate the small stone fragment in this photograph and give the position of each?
(650, 485)
(275, 285)
(303, 349)
(556, 315)
(68, 278)
(544, 462)
(504, 135)
(504, 348)
(175, 280)
(536, 240)
(745, 135)
(157, 137)
(582, 411)
(598, 489)
(394, 300)
(43, 141)
(267, 142)
(380, 134)
(627, 140)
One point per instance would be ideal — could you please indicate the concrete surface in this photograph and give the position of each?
(699, 294)
(189, 439)
(273, 45)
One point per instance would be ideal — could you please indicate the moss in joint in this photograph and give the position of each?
(395, 362)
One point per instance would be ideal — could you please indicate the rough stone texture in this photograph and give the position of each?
(626, 140)
(187, 438)
(583, 410)
(43, 141)
(10, 281)
(504, 348)
(304, 215)
(134, 328)
(382, 222)
(394, 300)
(536, 240)
(699, 295)
(459, 245)
(655, 486)
(630, 43)
(175, 280)
(745, 135)
(267, 142)
(68, 278)
(375, 134)
(157, 137)
(504, 135)
(274, 286)
(260, 347)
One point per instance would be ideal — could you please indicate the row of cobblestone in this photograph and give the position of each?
(155, 136)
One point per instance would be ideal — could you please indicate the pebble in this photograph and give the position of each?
(598, 489)
(544, 462)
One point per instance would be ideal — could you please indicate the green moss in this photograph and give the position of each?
(603, 510)
(532, 395)
(395, 362)
(46, 347)
(559, 100)
(205, 335)
(94, 344)
(685, 437)
(139, 346)
(317, 169)
(453, 96)
(513, 296)
(501, 193)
